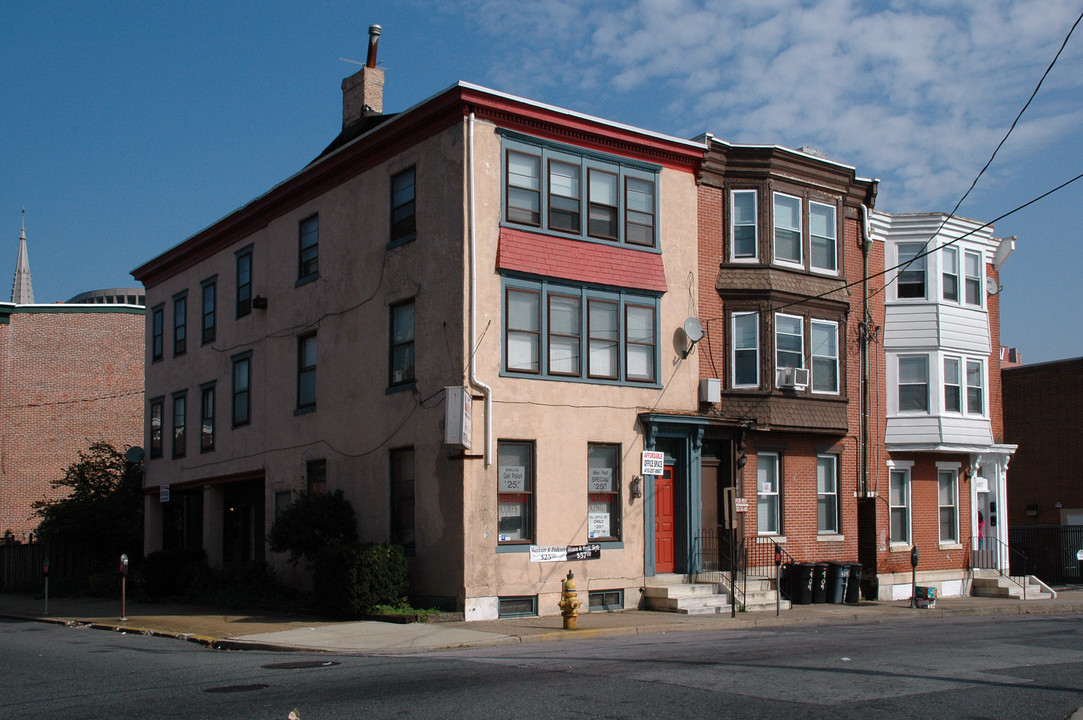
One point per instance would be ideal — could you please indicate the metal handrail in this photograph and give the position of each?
(991, 554)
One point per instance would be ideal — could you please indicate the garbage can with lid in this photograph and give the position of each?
(785, 581)
(1079, 561)
(801, 583)
(853, 584)
(837, 575)
(819, 582)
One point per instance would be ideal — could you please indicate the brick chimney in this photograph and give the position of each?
(363, 92)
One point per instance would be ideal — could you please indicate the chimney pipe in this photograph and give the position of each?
(374, 40)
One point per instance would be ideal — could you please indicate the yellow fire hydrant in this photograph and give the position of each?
(569, 603)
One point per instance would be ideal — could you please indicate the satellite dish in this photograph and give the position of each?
(134, 455)
(693, 328)
(991, 285)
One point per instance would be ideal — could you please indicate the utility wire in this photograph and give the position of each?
(993, 156)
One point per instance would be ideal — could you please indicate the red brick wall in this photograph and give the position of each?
(67, 379)
(712, 349)
(1043, 415)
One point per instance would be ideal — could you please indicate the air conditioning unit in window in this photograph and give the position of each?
(795, 378)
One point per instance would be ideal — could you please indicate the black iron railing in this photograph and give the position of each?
(1052, 549)
(721, 558)
(991, 554)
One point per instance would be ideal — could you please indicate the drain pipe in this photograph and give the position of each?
(866, 248)
(486, 391)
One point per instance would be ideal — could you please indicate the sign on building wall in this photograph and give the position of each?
(163, 493)
(560, 553)
(653, 463)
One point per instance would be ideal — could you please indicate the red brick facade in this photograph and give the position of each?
(1042, 415)
(70, 376)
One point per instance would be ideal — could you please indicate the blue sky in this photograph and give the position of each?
(129, 126)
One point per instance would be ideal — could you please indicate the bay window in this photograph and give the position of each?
(952, 386)
(914, 383)
(544, 188)
(744, 240)
(822, 237)
(789, 341)
(910, 282)
(972, 272)
(949, 257)
(975, 394)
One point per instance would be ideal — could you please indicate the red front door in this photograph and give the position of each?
(663, 522)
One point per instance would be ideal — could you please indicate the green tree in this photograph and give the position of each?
(103, 506)
(313, 522)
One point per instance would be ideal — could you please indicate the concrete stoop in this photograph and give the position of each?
(1002, 587)
(676, 594)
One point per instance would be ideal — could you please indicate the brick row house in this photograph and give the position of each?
(474, 317)
(944, 449)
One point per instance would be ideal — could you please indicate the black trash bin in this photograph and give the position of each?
(837, 575)
(853, 584)
(801, 583)
(819, 582)
(785, 580)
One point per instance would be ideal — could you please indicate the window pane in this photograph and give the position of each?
(746, 349)
(973, 278)
(564, 335)
(563, 196)
(911, 279)
(767, 494)
(523, 331)
(604, 339)
(603, 205)
(744, 224)
(640, 340)
(825, 357)
(640, 212)
(789, 342)
(603, 492)
(402, 497)
(402, 205)
(822, 231)
(524, 188)
(974, 392)
(787, 228)
(515, 492)
(950, 258)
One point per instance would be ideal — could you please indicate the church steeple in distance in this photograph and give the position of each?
(22, 291)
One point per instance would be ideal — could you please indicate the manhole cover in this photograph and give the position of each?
(235, 688)
(299, 664)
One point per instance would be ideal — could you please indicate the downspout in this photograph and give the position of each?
(472, 235)
(866, 319)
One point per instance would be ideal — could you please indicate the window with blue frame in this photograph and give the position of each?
(568, 190)
(565, 332)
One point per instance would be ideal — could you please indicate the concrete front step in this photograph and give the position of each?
(673, 594)
(1004, 588)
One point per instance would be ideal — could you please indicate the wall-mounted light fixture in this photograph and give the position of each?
(636, 486)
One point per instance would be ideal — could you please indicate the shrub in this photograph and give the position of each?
(351, 580)
(172, 573)
(313, 522)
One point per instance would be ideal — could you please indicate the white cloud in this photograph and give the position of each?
(917, 93)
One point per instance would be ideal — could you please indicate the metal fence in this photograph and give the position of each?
(22, 565)
(1051, 549)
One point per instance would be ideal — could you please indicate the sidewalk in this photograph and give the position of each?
(271, 632)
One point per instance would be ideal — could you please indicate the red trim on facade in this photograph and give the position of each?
(580, 261)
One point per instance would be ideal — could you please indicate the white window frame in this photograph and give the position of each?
(754, 257)
(831, 239)
(899, 385)
(950, 270)
(827, 497)
(800, 335)
(800, 261)
(834, 326)
(919, 264)
(980, 387)
(771, 500)
(972, 280)
(755, 348)
(958, 385)
(949, 472)
(900, 470)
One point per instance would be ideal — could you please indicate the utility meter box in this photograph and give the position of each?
(458, 424)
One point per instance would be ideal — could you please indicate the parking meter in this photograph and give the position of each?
(124, 565)
(45, 568)
(914, 556)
